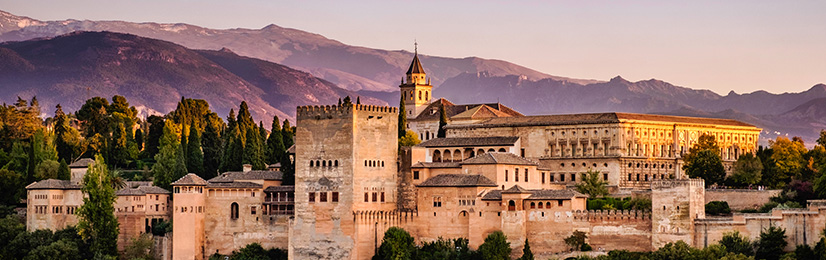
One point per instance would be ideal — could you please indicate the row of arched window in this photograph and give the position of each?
(458, 155)
(323, 163)
(373, 163)
(412, 95)
(547, 204)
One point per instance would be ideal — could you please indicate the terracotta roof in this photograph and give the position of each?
(436, 165)
(415, 66)
(458, 180)
(470, 141)
(280, 188)
(515, 189)
(598, 118)
(190, 179)
(490, 110)
(536, 194)
(499, 158)
(141, 190)
(250, 175)
(237, 184)
(52, 184)
(82, 163)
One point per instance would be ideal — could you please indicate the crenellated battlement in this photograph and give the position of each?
(671, 183)
(394, 216)
(611, 215)
(319, 112)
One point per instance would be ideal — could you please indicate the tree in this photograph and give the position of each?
(771, 243)
(593, 185)
(47, 169)
(347, 101)
(526, 252)
(63, 171)
(170, 164)
(495, 247)
(118, 153)
(442, 122)
(11, 187)
(747, 170)
(409, 139)
(67, 138)
(233, 152)
(706, 164)
(288, 170)
(139, 139)
(211, 146)
(576, 240)
(287, 134)
(396, 244)
(156, 125)
(93, 117)
(195, 156)
(787, 157)
(96, 217)
(402, 119)
(275, 142)
(141, 247)
(822, 139)
(18, 122)
(678, 250)
(253, 152)
(717, 208)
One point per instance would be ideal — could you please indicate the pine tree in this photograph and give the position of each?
(195, 157)
(139, 139)
(253, 151)
(402, 119)
(275, 143)
(347, 101)
(169, 165)
(287, 133)
(233, 152)
(97, 215)
(526, 252)
(212, 148)
(66, 137)
(442, 122)
(153, 137)
(64, 173)
(118, 154)
(288, 170)
(358, 100)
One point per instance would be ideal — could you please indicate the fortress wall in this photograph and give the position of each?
(802, 226)
(629, 230)
(740, 199)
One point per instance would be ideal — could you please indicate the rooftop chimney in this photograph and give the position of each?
(247, 167)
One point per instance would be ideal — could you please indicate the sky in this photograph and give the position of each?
(738, 45)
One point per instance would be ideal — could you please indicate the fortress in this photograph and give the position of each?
(496, 169)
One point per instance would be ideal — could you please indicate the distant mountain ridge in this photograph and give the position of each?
(155, 74)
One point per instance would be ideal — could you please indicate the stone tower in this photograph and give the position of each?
(416, 89)
(675, 204)
(345, 164)
(188, 215)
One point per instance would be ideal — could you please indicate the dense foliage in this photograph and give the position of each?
(717, 208)
(593, 184)
(253, 251)
(611, 203)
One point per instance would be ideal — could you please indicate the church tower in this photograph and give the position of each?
(416, 89)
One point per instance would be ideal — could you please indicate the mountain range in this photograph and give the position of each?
(351, 70)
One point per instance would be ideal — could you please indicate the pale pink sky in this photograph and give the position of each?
(745, 45)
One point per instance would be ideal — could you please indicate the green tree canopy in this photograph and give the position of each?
(195, 156)
(593, 184)
(747, 170)
(68, 142)
(409, 139)
(736, 243)
(397, 244)
(402, 119)
(787, 157)
(706, 164)
(96, 217)
(153, 137)
(495, 247)
(212, 148)
(170, 164)
(275, 143)
(442, 122)
(526, 252)
(771, 243)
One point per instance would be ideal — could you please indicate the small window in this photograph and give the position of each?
(559, 203)
(604, 176)
(312, 197)
(366, 197)
(375, 196)
(415, 175)
(516, 174)
(543, 177)
(322, 197)
(506, 175)
(382, 196)
(335, 196)
(533, 205)
(526, 175)
(336, 163)
(551, 177)
(252, 210)
(233, 214)
(573, 177)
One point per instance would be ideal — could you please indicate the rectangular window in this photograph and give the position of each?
(322, 196)
(366, 197)
(595, 149)
(573, 177)
(559, 203)
(335, 196)
(252, 210)
(604, 176)
(375, 196)
(543, 177)
(312, 197)
(382, 196)
(415, 175)
(437, 202)
(562, 177)
(506, 175)
(526, 175)
(551, 177)
(516, 174)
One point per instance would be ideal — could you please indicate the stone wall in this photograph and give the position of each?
(740, 199)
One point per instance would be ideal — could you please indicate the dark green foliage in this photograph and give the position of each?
(718, 208)
(170, 164)
(40, 244)
(139, 139)
(576, 240)
(672, 251)
(161, 228)
(253, 151)
(287, 134)
(347, 101)
(805, 252)
(706, 164)
(253, 251)
(585, 247)
(528, 255)
(139, 248)
(11, 187)
(67, 138)
(771, 243)
(212, 148)
(446, 249)
(747, 171)
(737, 244)
(402, 118)
(118, 154)
(288, 170)
(93, 118)
(96, 217)
(156, 125)
(609, 203)
(442, 122)
(195, 156)
(233, 152)
(275, 143)
(593, 185)
(495, 247)
(396, 244)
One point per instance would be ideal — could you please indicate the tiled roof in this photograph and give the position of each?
(237, 184)
(250, 175)
(436, 165)
(275, 165)
(536, 194)
(280, 188)
(515, 189)
(52, 184)
(431, 112)
(470, 141)
(190, 179)
(141, 190)
(415, 66)
(597, 118)
(499, 158)
(458, 180)
(82, 163)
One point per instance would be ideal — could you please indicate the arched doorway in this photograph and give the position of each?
(511, 205)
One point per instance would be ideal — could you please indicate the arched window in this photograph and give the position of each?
(491, 150)
(457, 155)
(547, 205)
(502, 150)
(426, 95)
(411, 95)
(336, 162)
(233, 211)
(437, 156)
(511, 205)
(540, 205)
(480, 152)
(448, 156)
(329, 163)
(533, 205)
(382, 163)
(311, 163)
(420, 95)
(323, 163)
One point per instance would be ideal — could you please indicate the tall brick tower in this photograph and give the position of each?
(188, 215)
(345, 164)
(675, 204)
(416, 89)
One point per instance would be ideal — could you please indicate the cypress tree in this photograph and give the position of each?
(195, 157)
(170, 163)
(275, 143)
(358, 100)
(442, 122)
(212, 149)
(153, 137)
(233, 152)
(63, 172)
(139, 139)
(402, 119)
(288, 170)
(287, 133)
(118, 154)
(253, 150)
(65, 150)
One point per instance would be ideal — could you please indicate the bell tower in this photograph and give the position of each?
(415, 89)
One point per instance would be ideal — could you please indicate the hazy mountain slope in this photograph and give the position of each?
(71, 68)
(350, 67)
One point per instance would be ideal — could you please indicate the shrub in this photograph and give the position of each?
(718, 208)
